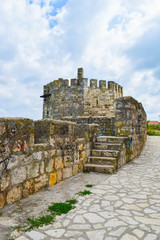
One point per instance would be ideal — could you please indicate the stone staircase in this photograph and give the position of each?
(105, 154)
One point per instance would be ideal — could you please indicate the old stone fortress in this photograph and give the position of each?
(83, 128)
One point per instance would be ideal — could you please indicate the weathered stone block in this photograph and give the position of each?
(41, 182)
(13, 162)
(59, 141)
(52, 129)
(59, 152)
(49, 165)
(52, 152)
(118, 124)
(46, 154)
(2, 200)
(80, 147)
(28, 188)
(58, 163)
(52, 141)
(67, 172)
(59, 175)
(67, 161)
(82, 155)
(37, 156)
(75, 169)
(33, 170)
(25, 160)
(42, 167)
(14, 195)
(18, 175)
(80, 167)
(4, 183)
(52, 179)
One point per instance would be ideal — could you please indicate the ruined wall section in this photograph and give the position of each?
(131, 121)
(39, 154)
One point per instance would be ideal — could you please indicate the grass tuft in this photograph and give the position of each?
(60, 208)
(85, 192)
(72, 201)
(1, 214)
(89, 185)
(39, 222)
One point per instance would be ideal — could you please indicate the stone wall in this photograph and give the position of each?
(130, 121)
(106, 124)
(79, 99)
(40, 154)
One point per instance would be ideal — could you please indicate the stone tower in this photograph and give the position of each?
(79, 99)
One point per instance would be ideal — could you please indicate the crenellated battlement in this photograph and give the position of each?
(82, 82)
(80, 97)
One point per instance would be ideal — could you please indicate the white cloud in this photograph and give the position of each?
(40, 43)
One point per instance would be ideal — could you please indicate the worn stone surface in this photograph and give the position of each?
(49, 165)
(122, 206)
(58, 162)
(52, 179)
(13, 195)
(41, 182)
(2, 200)
(33, 170)
(67, 172)
(82, 155)
(59, 175)
(75, 169)
(18, 175)
(5, 181)
(28, 188)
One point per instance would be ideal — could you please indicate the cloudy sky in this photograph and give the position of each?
(42, 40)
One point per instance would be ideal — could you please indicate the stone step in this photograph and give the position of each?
(99, 168)
(110, 139)
(103, 160)
(104, 153)
(107, 146)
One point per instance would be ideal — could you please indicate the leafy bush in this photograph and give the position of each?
(153, 130)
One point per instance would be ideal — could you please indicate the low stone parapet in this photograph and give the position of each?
(38, 154)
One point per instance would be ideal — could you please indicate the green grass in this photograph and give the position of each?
(153, 130)
(85, 192)
(39, 222)
(89, 185)
(61, 208)
(55, 209)
(1, 214)
(72, 201)
(10, 239)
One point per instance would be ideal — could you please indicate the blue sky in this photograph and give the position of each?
(43, 40)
